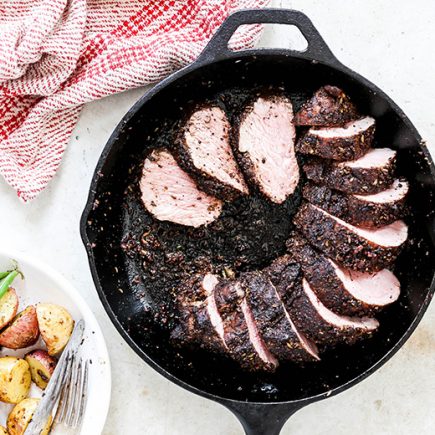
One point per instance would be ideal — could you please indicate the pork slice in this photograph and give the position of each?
(365, 250)
(265, 147)
(286, 275)
(170, 194)
(198, 321)
(273, 321)
(372, 173)
(341, 290)
(339, 143)
(365, 211)
(329, 107)
(242, 338)
(322, 325)
(204, 150)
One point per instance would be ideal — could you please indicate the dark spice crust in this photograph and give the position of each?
(286, 275)
(236, 330)
(271, 320)
(205, 181)
(192, 324)
(329, 107)
(323, 280)
(337, 148)
(355, 211)
(363, 181)
(342, 245)
(307, 319)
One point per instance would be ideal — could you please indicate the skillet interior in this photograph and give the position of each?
(112, 215)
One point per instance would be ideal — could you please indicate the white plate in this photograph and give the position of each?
(43, 284)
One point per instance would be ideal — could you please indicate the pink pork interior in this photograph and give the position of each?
(389, 236)
(381, 288)
(398, 190)
(170, 194)
(334, 319)
(308, 345)
(375, 158)
(353, 128)
(207, 137)
(268, 134)
(209, 283)
(255, 337)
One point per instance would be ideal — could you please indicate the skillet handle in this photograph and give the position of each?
(262, 419)
(317, 49)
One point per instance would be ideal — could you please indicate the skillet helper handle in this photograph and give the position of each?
(262, 419)
(317, 49)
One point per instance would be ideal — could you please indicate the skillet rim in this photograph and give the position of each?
(111, 143)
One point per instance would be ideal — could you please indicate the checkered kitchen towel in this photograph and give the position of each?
(56, 55)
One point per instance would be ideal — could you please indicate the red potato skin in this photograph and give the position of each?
(44, 358)
(47, 361)
(23, 331)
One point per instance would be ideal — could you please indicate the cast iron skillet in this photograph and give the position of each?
(262, 402)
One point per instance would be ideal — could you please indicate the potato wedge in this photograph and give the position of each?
(3, 431)
(56, 326)
(15, 379)
(8, 307)
(41, 367)
(20, 416)
(23, 331)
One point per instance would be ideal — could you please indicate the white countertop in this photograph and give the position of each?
(390, 42)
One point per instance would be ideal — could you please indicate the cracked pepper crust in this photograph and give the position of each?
(329, 107)
(337, 148)
(342, 245)
(353, 210)
(347, 179)
(323, 280)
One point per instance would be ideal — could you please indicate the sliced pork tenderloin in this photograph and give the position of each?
(323, 326)
(242, 338)
(273, 321)
(372, 173)
(170, 194)
(198, 321)
(204, 150)
(286, 275)
(329, 107)
(349, 142)
(365, 250)
(342, 290)
(265, 147)
(365, 211)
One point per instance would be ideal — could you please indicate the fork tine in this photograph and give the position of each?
(72, 391)
(63, 401)
(82, 395)
(77, 394)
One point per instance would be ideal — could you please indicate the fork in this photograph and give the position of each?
(67, 389)
(72, 402)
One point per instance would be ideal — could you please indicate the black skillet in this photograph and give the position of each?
(262, 402)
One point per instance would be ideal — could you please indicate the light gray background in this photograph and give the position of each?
(391, 42)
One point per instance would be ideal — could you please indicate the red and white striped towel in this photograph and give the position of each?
(56, 55)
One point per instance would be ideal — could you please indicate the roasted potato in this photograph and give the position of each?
(42, 366)
(3, 431)
(15, 379)
(56, 326)
(20, 416)
(23, 331)
(8, 307)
